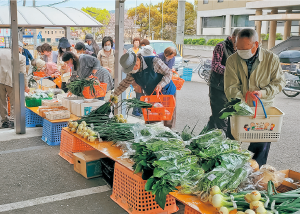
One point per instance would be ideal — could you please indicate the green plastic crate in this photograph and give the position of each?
(35, 102)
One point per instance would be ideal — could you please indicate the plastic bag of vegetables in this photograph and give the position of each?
(235, 107)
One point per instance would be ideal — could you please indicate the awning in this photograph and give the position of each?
(34, 17)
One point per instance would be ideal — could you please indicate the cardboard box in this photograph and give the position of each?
(66, 101)
(84, 107)
(287, 186)
(88, 163)
(44, 109)
(52, 103)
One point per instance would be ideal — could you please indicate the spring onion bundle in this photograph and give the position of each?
(77, 86)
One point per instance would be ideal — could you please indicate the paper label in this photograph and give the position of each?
(211, 177)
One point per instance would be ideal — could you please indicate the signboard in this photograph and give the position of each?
(1, 32)
(2, 42)
(6, 32)
(39, 36)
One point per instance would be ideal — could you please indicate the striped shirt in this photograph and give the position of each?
(159, 67)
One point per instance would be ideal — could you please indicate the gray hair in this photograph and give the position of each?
(235, 32)
(248, 33)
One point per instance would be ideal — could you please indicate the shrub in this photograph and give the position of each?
(200, 41)
(214, 42)
(185, 41)
(278, 36)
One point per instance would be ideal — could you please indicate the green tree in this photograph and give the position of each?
(101, 15)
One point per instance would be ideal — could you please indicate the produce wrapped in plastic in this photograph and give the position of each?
(236, 107)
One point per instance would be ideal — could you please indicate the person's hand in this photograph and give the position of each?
(27, 89)
(108, 69)
(257, 93)
(56, 74)
(69, 94)
(158, 88)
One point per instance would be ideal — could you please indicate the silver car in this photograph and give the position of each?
(160, 45)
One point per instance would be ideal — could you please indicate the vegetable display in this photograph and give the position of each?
(77, 86)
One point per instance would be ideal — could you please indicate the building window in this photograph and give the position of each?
(51, 32)
(214, 22)
(45, 31)
(205, 1)
(55, 32)
(42, 39)
(241, 21)
(62, 32)
(48, 40)
(57, 40)
(220, 0)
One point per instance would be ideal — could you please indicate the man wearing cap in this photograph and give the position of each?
(27, 54)
(150, 73)
(6, 86)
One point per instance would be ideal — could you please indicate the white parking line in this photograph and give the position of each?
(53, 198)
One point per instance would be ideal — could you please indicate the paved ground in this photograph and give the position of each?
(35, 179)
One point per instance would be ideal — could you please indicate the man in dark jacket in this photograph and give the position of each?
(216, 82)
(27, 54)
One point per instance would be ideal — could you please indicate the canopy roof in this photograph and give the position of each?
(32, 17)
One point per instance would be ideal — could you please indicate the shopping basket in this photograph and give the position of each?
(58, 81)
(177, 81)
(100, 91)
(39, 74)
(163, 107)
(264, 126)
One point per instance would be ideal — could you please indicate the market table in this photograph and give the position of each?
(51, 128)
(114, 152)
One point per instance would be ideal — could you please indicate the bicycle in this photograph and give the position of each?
(202, 68)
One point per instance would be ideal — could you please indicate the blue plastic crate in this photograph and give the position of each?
(52, 132)
(32, 119)
(187, 78)
(187, 71)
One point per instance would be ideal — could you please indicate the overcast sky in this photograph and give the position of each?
(108, 4)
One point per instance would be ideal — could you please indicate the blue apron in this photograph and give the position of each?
(148, 79)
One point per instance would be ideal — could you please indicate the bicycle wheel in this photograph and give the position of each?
(206, 75)
(290, 93)
(200, 73)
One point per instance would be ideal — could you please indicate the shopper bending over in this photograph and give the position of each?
(85, 66)
(256, 70)
(49, 55)
(81, 49)
(168, 56)
(27, 54)
(106, 56)
(150, 73)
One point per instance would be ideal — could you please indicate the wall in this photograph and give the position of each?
(214, 4)
(51, 33)
(206, 37)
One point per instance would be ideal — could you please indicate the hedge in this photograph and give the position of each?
(214, 42)
(202, 41)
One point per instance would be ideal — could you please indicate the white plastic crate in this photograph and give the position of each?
(259, 129)
(84, 107)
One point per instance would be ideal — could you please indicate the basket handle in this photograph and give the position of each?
(262, 105)
(157, 94)
(255, 98)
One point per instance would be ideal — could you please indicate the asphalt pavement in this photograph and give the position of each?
(35, 179)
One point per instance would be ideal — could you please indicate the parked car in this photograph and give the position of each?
(160, 45)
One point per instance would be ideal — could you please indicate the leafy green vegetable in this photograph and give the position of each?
(235, 107)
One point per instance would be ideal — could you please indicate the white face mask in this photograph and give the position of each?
(107, 48)
(245, 54)
(64, 49)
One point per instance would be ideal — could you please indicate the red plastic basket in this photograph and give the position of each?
(159, 113)
(178, 82)
(39, 74)
(100, 91)
(70, 144)
(129, 192)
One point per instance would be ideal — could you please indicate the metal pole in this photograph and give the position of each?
(180, 25)
(119, 29)
(18, 86)
(33, 3)
(24, 3)
(149, 20)
(162, 20)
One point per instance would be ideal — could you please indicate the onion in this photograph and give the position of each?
(75, 124)
(83, 123)
(73, 130)
(261, 210)
(255, 204)
(85, 135)
(254, 165)
(240, 212)
(249, 212)
(255, 196)
(215, 190)
(248, 198)
(223, 210)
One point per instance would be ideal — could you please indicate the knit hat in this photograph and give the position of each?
(128, 61)
(89, 36)
(147, 51)
(40, 64)
(64, 43)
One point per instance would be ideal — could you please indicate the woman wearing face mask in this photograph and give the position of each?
(91, 44)
(150, 73)
(106, 56)
(86, 66)
(168, 56)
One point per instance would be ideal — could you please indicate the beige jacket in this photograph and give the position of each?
(267, 76)
(107, 62)
(6, 67)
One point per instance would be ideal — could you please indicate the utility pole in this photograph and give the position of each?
(180, 25)
(33, 3)
(24, 2)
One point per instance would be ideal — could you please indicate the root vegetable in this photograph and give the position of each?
(223, 210)
(73, 130)
(261, 210)
(255, 196)
(219, 201)
(254, 165)
(240, 212)
(248, 198)
(215, 190)
(255, 204)
(249, 212)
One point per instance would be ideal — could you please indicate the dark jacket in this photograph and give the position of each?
(216, 80)
(169, 63)
(28, 55)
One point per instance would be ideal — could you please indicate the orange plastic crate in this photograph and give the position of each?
(178, 82)
(8, 106)
(129, 192)
(189, 210)
(159, 113)
(70, 144)
(99, 89)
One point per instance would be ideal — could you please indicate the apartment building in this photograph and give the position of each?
(51, 35)
(221, 17)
